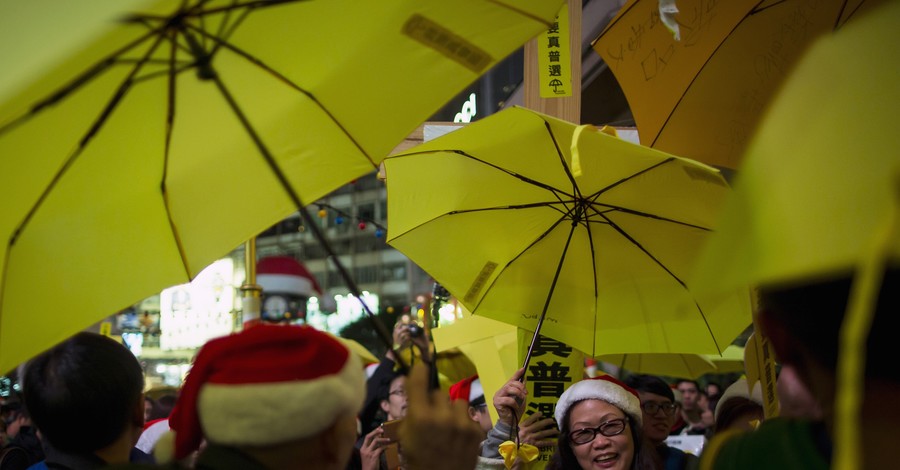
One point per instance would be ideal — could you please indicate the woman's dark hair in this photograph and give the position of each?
(564, 458)
(733, 408)
(82, 393)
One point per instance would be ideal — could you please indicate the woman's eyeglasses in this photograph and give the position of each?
(652, 407)
(613, 427)
(400, 393)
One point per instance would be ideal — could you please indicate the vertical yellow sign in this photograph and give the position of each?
(106, 328)
(554, 64)
(554, 366)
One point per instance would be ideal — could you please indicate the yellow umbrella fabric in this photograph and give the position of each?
(701, 96)
(182, 129)
(508, 229)
(361, 351)
(731, 359)
(687, 366)
(491, 346)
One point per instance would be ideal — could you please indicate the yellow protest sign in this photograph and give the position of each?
(554, 366)
(554, 49)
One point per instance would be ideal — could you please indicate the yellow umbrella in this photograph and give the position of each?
(731, 359)
(171, 135)
(700, 96)
(688, 366)
(492, 346)
(819, 188)
(594, 258)
(355, 347)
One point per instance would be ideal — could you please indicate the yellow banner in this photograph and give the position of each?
(554, 64)
(759, 362)
(554, 366)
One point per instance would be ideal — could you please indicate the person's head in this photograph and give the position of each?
(786, 311)
(739, 408)
(85, 393)
(690, 393)
(657, 406)
(283, 392)
(162, 407)
(600, 423)
(470, 389)
(713, 390)
(393, 401)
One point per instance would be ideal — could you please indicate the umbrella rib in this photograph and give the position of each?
(590, 235)
(648, 215)
(532, 205)
(170, 124)
(85, 140)
(562, 160)
(537, 329)
(837, 21)
(257, 62)
(76, 83)
(641, 247)
(498, 168)
(666, 269)
(631, 177)
(658, 132)
(382, 331)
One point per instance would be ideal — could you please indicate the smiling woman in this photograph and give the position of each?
(600, 427)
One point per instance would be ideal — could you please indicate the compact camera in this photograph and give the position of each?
(415, 331)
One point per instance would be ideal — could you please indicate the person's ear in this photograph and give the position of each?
(137, 413)
(473, 413)
(385, 405)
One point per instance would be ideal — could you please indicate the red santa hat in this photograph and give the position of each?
(468, 389)
(286, 275)
(603, 387)
(266, 385)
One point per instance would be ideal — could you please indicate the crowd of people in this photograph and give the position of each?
(274, 396)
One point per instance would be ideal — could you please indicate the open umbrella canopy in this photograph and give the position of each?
(687, 366)
(731, 359)
(701, 95)
(513, 232)
(183, 128)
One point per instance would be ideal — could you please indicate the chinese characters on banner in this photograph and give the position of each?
(554, 65)
(554, 366)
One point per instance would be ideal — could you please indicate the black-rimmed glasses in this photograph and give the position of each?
(613, 427)
(652, 407)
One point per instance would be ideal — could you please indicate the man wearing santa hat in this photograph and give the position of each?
(282, 397)
(470, 389)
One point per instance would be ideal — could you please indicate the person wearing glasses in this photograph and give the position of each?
(659, 409)
(601, 426)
